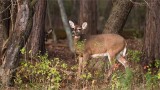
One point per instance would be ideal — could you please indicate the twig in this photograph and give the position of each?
(5, 9)
(6, 18)
(67, 72)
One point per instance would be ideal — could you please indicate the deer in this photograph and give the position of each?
(113, 46)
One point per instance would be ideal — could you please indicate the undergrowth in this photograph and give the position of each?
(54, 74)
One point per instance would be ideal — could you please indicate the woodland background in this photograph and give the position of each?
(37, 48)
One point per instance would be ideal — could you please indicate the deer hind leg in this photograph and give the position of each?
(111, 57)
(112, 63)
(121, 58)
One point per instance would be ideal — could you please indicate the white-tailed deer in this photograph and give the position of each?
(111, 45)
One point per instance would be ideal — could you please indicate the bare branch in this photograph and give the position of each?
(5, 19)
(5, 9)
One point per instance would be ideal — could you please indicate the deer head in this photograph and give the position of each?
(77, 30)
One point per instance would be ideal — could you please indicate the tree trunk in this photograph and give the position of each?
(151, 49)
(66, 25)
(75, 10)
(108, 8)
(50, 21)
(16, 41)
(37, 38)
(13, 12)
(88, 13)
(5, 17)
(1, 26)
(1, 31)
(118, 16)
(4, 23)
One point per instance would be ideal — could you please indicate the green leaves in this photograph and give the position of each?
(23, 50)
(134, 55)
(86, 76)
(41, 71)
(122, 80)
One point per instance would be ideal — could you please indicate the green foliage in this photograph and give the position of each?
(127, 79)
(122, 80)
(157, 63)
(23, 50)
(134, 55)
(115, 82)
(86, 76)
(80, 46)
(42, 73)
(45, 72)
(151, 80)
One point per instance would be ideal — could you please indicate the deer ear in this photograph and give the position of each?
(71, 24)
(84, 25)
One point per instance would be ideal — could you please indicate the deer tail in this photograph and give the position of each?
(124, 50)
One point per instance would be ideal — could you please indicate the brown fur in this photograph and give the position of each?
(104, 43)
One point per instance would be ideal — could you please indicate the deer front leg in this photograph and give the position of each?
(80, 59)
(82, 64)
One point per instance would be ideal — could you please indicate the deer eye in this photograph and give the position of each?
(78, 31)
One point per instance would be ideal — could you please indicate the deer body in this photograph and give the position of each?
(111, 45)
(103, 43)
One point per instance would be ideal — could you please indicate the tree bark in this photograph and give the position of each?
(37, 38)
(50, 21)
(5, 17)
(118, 16)
(88, 13)
(108, 8)
(13, 12)
(75, 10)
(16, 41)
(151, 49)
(66, 25)
(4, 23)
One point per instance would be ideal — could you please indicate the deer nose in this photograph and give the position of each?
(75, 34)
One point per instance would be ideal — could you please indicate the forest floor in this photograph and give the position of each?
(62, 68)
(60, 50)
